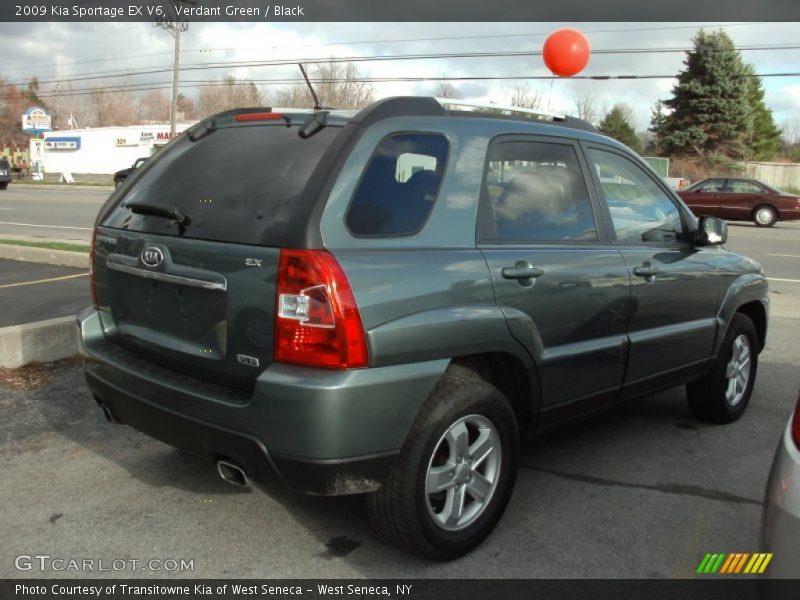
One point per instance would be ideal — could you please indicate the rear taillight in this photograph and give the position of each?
(796, 424)
(316, 317)
(91, 268)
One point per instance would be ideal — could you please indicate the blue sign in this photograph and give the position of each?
(62, 143)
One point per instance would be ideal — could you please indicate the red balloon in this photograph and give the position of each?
(566, 52)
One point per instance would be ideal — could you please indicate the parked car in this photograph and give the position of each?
(781, 522)
(5, 174)
(122, 175)
(737, 199)
(387, 302)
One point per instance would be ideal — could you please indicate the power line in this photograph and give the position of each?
(389, 41)
(296, 81)
(397, 57)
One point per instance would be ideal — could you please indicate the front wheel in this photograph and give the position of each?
(765, 216)
(722, 395)
(455, 472)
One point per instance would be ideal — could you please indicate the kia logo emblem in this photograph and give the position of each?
(152, 256)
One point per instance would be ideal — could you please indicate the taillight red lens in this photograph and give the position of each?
(316, 318)
(91, 268)
(796, 424)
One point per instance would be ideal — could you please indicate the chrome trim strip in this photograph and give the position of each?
(166, 277)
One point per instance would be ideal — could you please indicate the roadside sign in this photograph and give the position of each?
(35, 119)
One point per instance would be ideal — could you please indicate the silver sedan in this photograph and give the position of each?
(781, 522)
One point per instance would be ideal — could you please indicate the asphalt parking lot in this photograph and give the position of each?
(643, 491)
(34, 292)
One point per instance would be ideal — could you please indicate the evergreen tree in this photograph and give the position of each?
(764, 139)
(616, 125)
(710, 115)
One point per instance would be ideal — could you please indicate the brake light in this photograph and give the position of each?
(259, 116)
(92, 287)
(796, 424)
(316, 318)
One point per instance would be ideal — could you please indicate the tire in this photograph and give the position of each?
(3, 186)
(403, 511)
(765, 216)
(712, 398)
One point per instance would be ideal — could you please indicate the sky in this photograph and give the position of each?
(63, 50)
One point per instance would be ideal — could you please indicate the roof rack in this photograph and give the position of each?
(539, 114)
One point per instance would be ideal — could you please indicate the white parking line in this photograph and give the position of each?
(787, 280)
(787, 255)
(48, 226)
(6, 208)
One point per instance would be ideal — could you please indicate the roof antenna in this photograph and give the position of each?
(310, 87)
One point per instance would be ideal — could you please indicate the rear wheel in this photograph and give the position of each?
(455, 472)
(765, 216)
(3, 186)
(722, 395)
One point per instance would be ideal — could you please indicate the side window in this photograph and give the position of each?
(738, 186)
(640, 210)
(712, 185)
(398, 188)
(536, 192)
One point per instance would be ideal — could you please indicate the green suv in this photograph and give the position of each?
(387, 302)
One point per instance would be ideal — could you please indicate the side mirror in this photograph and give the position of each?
(711, 231)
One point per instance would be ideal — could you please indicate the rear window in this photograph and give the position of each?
(398, 189)
(239, 184)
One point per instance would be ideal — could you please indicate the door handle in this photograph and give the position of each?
(646, 271)
(521, 271)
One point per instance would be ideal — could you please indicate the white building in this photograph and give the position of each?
(102, 150)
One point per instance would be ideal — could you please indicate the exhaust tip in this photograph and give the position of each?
(232, 473)
(106, 411)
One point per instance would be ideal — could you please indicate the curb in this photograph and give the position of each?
(63, 258)
(43, 341)
(62, 186)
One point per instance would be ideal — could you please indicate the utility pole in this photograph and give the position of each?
(175, 25)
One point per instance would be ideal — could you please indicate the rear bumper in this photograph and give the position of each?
(319, 431)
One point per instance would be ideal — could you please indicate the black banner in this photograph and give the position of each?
(712, 588)
(406, 11)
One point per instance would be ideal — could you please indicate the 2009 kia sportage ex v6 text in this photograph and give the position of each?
(386, 302)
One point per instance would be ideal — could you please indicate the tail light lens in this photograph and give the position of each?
(796, 424)
(91, 268)
(316, 317)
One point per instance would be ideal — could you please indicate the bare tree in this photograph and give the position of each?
(229, 93)
(155, 106)
(105, 108)
(445, 89)
(523, 96)
(339, 85)
(588, 107)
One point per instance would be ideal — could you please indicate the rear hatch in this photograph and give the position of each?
(194, 291)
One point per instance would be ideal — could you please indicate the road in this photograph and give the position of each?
(642, 491)
(66, 215)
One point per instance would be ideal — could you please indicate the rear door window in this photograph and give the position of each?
(535, 192)
(740, 186)
(399, 186)
(239, 184)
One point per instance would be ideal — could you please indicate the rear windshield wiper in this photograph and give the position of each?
(161, 210)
